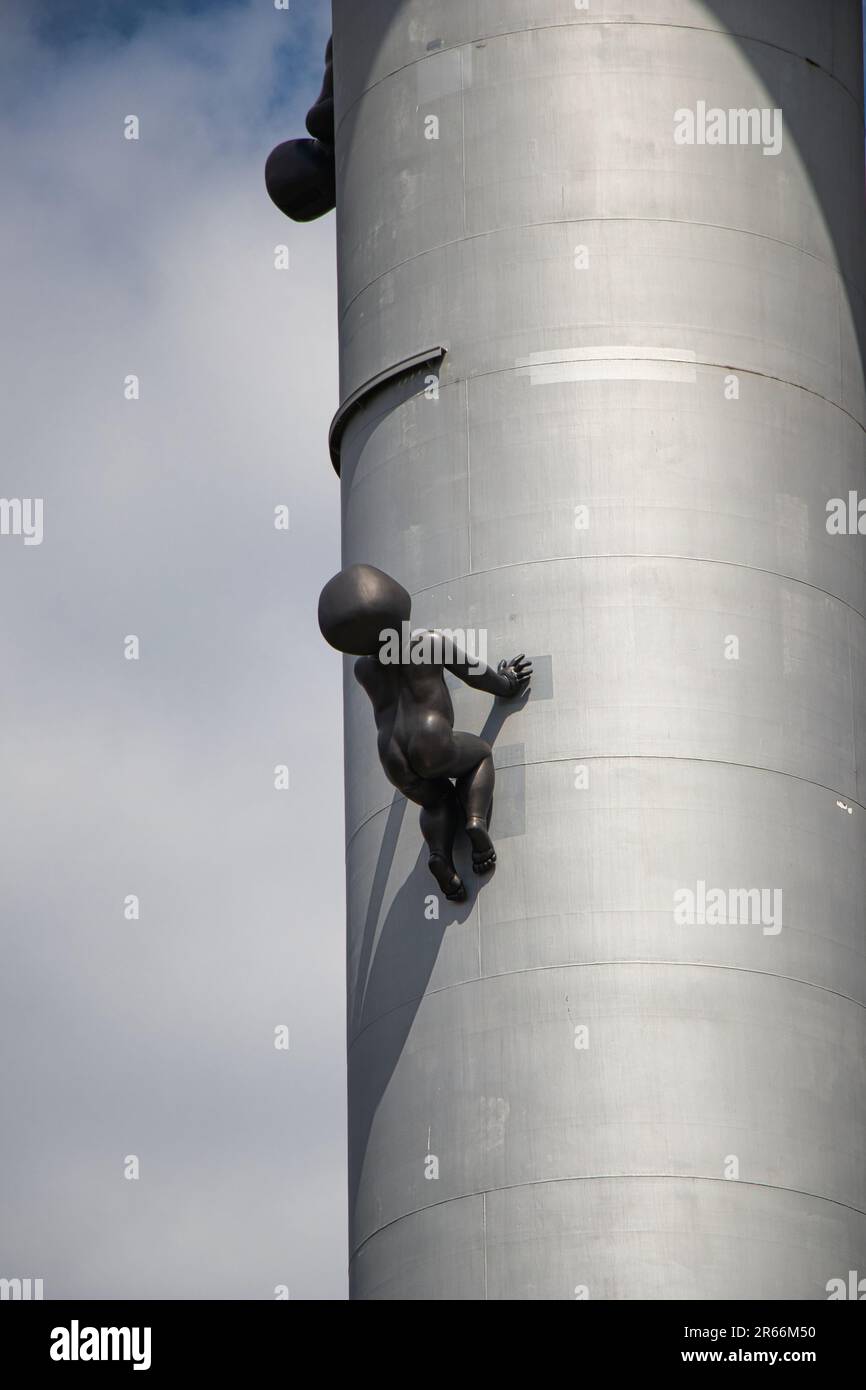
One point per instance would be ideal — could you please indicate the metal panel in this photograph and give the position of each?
(654, 385)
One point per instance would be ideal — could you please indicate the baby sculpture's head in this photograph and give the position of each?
(357, 605)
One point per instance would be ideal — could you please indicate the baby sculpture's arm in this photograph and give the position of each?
(510, 678)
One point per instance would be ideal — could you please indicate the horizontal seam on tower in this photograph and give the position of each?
(631, 757)
(577, 221)
(469, 377)
(640, 555)
(597, 24)
(583, 964)
(604, 1177)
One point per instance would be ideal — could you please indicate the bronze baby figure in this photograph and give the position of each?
(360, 611)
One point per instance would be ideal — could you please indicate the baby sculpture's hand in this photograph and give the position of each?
(517, 673)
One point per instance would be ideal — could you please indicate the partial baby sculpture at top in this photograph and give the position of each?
(300, 174)
(362, 611)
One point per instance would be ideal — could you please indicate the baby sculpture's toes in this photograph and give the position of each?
(483, 853)
(447, 877)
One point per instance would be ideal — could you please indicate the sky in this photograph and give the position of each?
(154, 1037)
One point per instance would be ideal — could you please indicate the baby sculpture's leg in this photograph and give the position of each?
(469, 760)
(440, 814)
(475, 794)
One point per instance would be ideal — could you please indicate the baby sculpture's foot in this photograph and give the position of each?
(483, 853)
(447, 877)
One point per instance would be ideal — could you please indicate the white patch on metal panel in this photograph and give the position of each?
(443, 74)
(608, 364)
(494, 1117)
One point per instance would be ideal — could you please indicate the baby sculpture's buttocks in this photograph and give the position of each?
(448, 774)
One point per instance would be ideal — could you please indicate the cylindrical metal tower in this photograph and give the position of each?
(601, 373)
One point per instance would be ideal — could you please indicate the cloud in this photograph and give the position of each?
(156, 258)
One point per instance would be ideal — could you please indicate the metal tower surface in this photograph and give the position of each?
(601, 341)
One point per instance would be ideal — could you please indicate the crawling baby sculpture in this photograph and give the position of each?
(418, 747)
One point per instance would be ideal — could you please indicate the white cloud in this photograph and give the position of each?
(156, 258)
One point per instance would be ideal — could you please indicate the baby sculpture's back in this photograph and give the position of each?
(413, 712)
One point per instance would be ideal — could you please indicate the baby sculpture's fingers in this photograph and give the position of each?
(517, 672)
